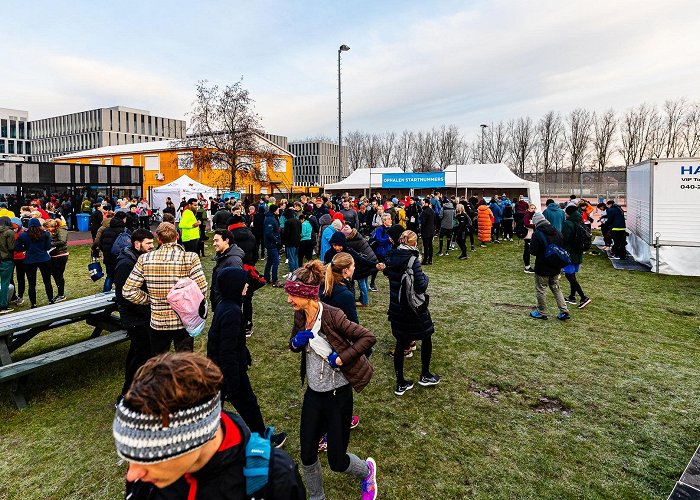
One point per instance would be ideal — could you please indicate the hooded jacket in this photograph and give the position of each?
(271, 232)
(544, 235)
(323, 223)
(226, 343)
(244, 238)
(36, 251)
(131, 315)
(7, 240)
(232, 257)
(448, 214)
(108, 237)
(258, 224)
(496, 211)
(343, 297)
(363, 266)
(291, 234)
(427, 222)
(568, 233)
(485, 220)
(59, 242)
(554, 215)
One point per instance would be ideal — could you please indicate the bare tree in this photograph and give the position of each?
(674, 111)
(424, 151)
(522, 141)
(225, 133)
(387, 143)
(638, 132)
(549, 131)
(371, 151)
(690, 132)
(354, 141)
(558, 155)
(496, 142)
(448, 145)
(577, 136)
(603, 136)
(403, 149)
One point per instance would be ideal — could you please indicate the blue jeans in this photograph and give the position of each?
(364, 290)
(293, 258)
(273, 262)
(109, 278)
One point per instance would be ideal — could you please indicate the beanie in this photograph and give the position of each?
(346, 230)
(338, 238)
(538, 219)
(236, 219)
(337, 224)
(34, 223)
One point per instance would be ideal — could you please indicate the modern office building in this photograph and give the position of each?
(14, 135)
(66, 134)
(316, 162)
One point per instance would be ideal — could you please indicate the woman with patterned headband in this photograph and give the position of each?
(333, 363)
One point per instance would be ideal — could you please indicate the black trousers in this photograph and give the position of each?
(619, 243)
(246, 404)
(58, 269)
(162, 339)
(143, 222)
(139, 353)
(306, 251)
(448, 233)
(45, 270)
(462, 243)
(191, 246)
(507, 227)
(259, 243)
(427, 247)
(526, 252)
(426, 352)
(575, 287)
(248, 308)
(495, 231)
(21, 273)
(326, 413)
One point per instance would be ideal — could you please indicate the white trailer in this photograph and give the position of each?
(663, 215)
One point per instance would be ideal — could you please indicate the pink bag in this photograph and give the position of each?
(189, 303)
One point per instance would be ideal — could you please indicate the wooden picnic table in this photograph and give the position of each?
(16, 329)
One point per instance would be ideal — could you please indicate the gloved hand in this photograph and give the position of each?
(302, 338)
(333, 359)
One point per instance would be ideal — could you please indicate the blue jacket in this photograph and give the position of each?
(343, 297)
(496, 211)
(383, 241)
(306, 230)
(554, 215)
(271, 232)
(36, 251)
(325, 243)
(616, 217)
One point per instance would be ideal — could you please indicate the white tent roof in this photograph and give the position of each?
(183, 186)
(360, 179)
(483, 175)
(184, 181)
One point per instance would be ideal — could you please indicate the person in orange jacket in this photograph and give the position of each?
(485, 221)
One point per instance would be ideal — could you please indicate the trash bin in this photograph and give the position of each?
(83, 222)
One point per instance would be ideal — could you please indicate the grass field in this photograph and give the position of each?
(604, 406)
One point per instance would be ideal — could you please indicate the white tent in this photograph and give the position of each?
(360, 179)
(494, 176)
(183, 187)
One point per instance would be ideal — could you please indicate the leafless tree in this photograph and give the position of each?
(521, 142)
(674, 111)
(549, 131)
(372, 151)
(448, 144)
(690, 132)
(226, 132)
(424, 150)
(604, 126)
(354, 141)
(558, 155)
(577, 137)
(496, 142)
(468, 152)
(387, 144)
(638, 132)
(403, 149)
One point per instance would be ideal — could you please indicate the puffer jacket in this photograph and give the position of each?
(7, 243)
(232, 257)
(485, 221)
(59, 242)
(244, 238)
(108, 237)
(448, 214)
(348, 339)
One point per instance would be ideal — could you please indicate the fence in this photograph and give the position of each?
(592, 186)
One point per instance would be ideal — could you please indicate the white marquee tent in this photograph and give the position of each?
(181, 187)
(360, 179)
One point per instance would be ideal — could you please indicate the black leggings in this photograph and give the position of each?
(507, 228)
(575, 286)
(58, 268)
(326, 413)
(306, 251)
(21, 273)
(426, 352)
(526, 252)
(45, 270)
(246, 404)
(427, 247)
(448, 233)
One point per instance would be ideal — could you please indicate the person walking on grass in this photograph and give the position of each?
(59, 255)
(463, 226)
(7, 251)
(273, 242)
(427, 231)
(446, 225)
(407, 325)
(189, 226)
(546, 275)
(527, 223)
(570, 238)
(484, 221)
(36, 243)
(333, 363)
(226, 346)
(134, 318)
(554, 214)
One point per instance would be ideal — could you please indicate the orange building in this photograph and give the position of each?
(164, 161)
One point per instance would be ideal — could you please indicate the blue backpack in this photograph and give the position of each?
(270, 472)
(123, 241)
(555, 255)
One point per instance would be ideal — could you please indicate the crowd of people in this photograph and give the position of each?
(354, 239)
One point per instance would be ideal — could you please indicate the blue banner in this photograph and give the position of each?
(234, 194)
(414, 180)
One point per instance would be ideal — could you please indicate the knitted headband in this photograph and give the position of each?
(295, 287)
(145, 439)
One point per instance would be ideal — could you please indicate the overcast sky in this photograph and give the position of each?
(411, 65)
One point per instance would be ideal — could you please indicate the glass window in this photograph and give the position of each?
(28, 147)
(2, 145)
(21, 130)
(3, 128)
(280, 165)
(127, 161)
(127, 121)
(152, 162)
(20, 148)
(184, 161)
(13, 129)
(11, 147)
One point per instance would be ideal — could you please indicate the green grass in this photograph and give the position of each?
(624, 369)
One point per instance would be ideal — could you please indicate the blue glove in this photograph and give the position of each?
(302, 338)
(332, 358)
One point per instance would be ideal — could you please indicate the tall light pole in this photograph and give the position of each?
(342, 48)
(483, 130)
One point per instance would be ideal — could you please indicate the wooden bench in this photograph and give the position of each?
(16, 329)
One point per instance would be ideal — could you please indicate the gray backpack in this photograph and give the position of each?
(418, 302)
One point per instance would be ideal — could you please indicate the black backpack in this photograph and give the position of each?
(507, 212)
(520, 231)
(582, 238)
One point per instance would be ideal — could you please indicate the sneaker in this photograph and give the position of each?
(428, 380)
(570, 300)
(18, 301)
(462, 257)
(323, 444)
(538, 315)
(614, 257)
(278, 284)
(408, 353)
(354, 421)
(529, 270)
(278, 440)
(6, 310)
(59, 298)
(373, 288)
(497, 241)
(584, 302)
(482, 245)
(401, 388)
(447, 254)
(563, 316)
(412, 345)
(473, 248)
(440, 254)
(369, 483)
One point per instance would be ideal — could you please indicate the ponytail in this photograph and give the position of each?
(334, 271)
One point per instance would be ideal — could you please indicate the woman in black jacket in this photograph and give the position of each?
(258, 228)
(337, 289)
(463, 227)
(406, 325)
(226, 346)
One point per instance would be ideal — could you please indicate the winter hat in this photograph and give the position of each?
(338, 238)
(34, 223)
(538, 219)
(236, 219)
(395, 232)
(337, 224)
(5, 221)
(346, 230)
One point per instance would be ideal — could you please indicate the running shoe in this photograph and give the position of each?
(60, 298)
(529, 270)
(369, 483)
(563, 316)
(429, 379)
(278, 440)
(570, 300)
(584, 302)
(6, 310)
(354, 421)
(401, 388)
(323, 444)
(373, 288)
(538, 315)
(412, 345)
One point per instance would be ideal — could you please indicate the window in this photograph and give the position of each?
(219, 165)
(3, 128)
(127, 161)
(152, 162)
(21, 130)
(13, 129)
(11, 147)
(2, 145)
(28, 147)
(184, 161)
(19, 147)
(280, 165)
(127, 121)
(95, 162)
(263, 169)
(108, 161)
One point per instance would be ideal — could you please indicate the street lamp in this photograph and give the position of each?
(483, 129)
(342, 48)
